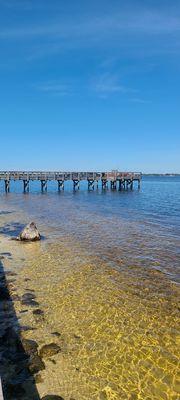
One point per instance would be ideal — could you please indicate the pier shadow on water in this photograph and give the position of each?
(15, 353)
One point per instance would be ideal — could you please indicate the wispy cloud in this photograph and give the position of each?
(54, 88)
(107, 84)
(150, 23)
(23, 4)
(139, 100)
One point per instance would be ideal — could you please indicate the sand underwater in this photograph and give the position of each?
(84, 328)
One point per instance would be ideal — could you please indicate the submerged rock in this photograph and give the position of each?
(30, 346)
(38, 312)
(28, 299)
(35, 362)
(29, 233)
(38, 379)
(49, 350)
(56, 334)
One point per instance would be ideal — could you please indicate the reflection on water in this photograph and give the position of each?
(104, 284)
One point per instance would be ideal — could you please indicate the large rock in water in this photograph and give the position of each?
(30, 233)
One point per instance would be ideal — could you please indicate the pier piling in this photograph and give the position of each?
(76, 184)
(7, 185)
(60, 185)
(43, 185)
(26, 185)
(90, 184)
(104, 184)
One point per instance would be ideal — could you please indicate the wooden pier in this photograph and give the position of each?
(114, 179)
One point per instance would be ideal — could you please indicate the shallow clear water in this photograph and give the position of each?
(105, 276)
(142, 227)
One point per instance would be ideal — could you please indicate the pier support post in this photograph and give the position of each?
(7, 185)
(120, 186)
(113, 185)
(124, 184)
(90, 184)
(43, 186)
(139, 184)
(104, 184)
(60, 185)
(75, 184)
(26, 185)
(131, 185)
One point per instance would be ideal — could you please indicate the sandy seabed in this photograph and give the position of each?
(114, 331)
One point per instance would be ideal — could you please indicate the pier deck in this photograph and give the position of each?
(117, 179)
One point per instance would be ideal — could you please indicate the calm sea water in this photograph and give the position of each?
(104, 279)
(139, 227)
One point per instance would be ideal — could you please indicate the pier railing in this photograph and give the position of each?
(51, 176)
(124, 179)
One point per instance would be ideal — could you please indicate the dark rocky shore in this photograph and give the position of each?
(21, 360)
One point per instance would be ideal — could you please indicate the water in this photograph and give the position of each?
(106, 276)
(140, 227)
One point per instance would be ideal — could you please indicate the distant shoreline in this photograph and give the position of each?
(167, 174)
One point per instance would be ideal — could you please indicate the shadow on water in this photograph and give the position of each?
(5, 212)
(16, 354)
(11, 229)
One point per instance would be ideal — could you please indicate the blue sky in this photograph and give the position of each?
(90, 85)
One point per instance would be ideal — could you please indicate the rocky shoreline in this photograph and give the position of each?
(21, 359)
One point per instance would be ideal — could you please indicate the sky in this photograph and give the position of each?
(90, 85)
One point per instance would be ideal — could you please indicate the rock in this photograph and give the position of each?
(49, 350)
(35, 362)
(28, 296)
(38, 379)
(52, 397)
(38, 311)
(10, 273)
(77, 336)
(29, 233)
(25, 328)
(28, 300)
(56, 334)
(15, 297)
(30, 346)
